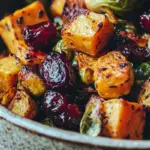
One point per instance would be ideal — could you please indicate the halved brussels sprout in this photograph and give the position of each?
(142, 73)
(91, 122)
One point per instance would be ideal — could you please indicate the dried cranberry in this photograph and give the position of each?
(73, 117)
(73, 111)
(145, 21)
(72, 8)
(56, 70)
(134, 52)
(54, 103)
(70, 119)
(39, 35)
(130, 49)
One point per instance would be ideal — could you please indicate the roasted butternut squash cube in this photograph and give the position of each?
(31, 81)
(23, 105)
(12, 26)
(7, 96)
(113, 75)
(123, 119)
(85, 61)
(88, 32)
(9, 68)
(144, 96)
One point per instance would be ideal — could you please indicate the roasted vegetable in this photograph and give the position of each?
(142, 73)
(9, 68)
(91, 123)
(31, 81)
(113, 75)
(85, 61)
(23, 105)
(62, 48)
(11, 31)
(7, 96)
(144, 96)
(123, 119)
(86, 67)
(120, 7)
(87, 32)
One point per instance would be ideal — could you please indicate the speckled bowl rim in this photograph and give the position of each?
(69, 136)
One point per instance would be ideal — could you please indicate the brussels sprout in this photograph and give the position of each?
(91, 122)
(120, 7)
(48, 122)
(61, 47)
(142, 73)
(86, 75)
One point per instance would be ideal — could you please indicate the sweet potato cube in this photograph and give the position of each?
(7, 96)
(12, 26)
(88, 32)
(31, 81)
(85, 61)
(23, 105)
(123, 119)
(9, 68)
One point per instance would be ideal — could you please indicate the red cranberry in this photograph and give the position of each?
(73, 111)
(145, 21)
(72, 8)
(73, 117)
(135, 53)
(70, 119)
(55, 70)
(39, 35)
(54, 103)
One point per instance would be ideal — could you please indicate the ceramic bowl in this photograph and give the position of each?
(18, 133)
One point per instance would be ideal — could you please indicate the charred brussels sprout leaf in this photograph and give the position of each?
(120, 7)
(62, 48)
(142, 73)
(91, 121)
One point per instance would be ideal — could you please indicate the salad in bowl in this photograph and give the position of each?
(80, 65)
